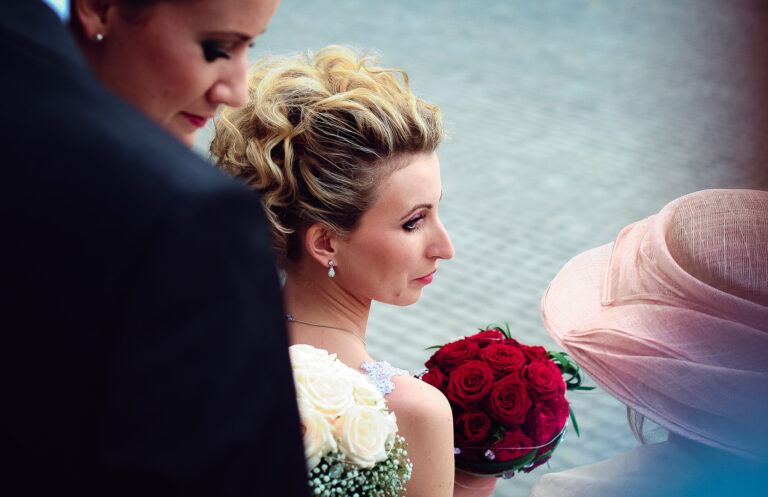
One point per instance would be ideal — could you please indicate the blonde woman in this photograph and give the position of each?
(343, 155)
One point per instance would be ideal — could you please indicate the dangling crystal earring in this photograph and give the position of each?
(331, 271)
(99, 37)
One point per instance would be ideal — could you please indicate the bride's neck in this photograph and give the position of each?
(321, 301)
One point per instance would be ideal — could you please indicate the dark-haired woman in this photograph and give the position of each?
(176, 61)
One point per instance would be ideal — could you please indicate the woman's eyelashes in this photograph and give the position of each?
(413, 223)
(213, 50)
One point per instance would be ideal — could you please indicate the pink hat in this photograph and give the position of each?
(672, 317)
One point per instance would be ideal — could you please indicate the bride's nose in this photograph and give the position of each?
(441, 246)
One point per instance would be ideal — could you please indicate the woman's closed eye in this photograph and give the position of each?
(215, 49)
(413, 223)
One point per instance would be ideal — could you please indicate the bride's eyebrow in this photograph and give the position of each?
(421, 206)
(416, 208)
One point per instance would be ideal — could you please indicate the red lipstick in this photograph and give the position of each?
(196, 120)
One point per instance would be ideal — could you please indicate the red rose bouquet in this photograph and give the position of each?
(508, 400)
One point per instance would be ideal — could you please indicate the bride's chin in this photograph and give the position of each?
(403, 300)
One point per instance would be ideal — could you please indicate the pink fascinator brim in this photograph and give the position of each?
(672, 317)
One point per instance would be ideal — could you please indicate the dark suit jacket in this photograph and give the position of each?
(143, 343)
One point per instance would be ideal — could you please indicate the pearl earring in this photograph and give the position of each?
(99, 37)
(331, 271)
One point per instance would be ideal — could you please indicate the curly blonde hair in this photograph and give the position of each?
(318, 134)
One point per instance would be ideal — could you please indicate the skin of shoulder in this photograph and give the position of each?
(425, 420)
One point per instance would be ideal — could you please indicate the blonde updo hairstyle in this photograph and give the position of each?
(318, 134)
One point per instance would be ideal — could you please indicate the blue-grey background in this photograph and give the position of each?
(568, 119)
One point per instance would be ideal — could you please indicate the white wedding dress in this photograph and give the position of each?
(381, 373)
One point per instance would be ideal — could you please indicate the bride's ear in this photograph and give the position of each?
(93, 17)
(320, 243)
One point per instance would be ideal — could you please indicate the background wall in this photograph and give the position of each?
(568, 120)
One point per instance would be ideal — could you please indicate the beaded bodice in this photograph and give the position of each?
(381, 373)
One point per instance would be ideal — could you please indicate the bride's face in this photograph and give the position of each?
(177, 61)
(393, 254)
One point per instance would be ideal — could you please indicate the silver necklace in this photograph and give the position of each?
(290, 318)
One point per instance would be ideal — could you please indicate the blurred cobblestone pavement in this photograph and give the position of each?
(568, 119)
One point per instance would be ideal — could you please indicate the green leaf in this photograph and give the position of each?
(556, 355)
(548, 453)
(569, 369)
(506, 332)
(496, 434)
(433, 347)
(573, 420)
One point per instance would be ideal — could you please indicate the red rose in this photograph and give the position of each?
(514, 444)
(469, 384)
(541, 424)
(503, 358)
(508, 401)
(544, 380)
(436, 378)
(452, 354)
(487, 337)
(560, 408)
(472, 427)
(535, 353)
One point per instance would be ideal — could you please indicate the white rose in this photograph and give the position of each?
(367, 394)
(317, 433)
(364, 391)
(324, 389)
(365, 434)
(307, 355)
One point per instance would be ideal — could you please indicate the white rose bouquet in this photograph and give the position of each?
(350, 438)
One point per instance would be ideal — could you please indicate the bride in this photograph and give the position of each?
(343, 155)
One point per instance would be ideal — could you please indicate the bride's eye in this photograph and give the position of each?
(413, 223)
(213, 50)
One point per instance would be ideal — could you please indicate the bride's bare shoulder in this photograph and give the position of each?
(417, 399)
(424, 418)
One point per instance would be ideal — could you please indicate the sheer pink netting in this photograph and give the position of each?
(672, 318)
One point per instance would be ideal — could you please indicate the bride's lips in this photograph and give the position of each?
(426, 280)
(196, 120)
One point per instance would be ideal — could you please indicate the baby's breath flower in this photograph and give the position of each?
(335, 475)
